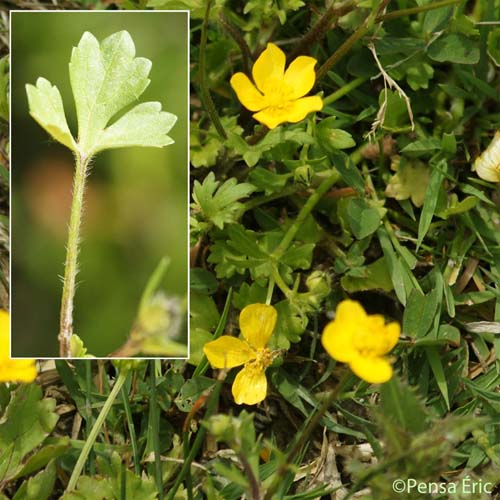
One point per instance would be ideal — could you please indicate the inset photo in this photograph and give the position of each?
(99, 184)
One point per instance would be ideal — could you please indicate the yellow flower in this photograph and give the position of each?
(278, 94)
(487, 165)
(362, 341)
(12, 370)
(257, 323)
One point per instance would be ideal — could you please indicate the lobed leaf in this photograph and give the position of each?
(105, 78)
(46, 107)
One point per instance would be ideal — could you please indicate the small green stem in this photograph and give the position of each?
(304, 212)
(415, 10)
(89, 443)
(304, 436)
(71, 264)
(345, 89)
(276, 276)
(270, 290)
(131, 431)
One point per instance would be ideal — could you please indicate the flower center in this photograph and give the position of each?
(369, 342)
(263, 359)
(277, 94)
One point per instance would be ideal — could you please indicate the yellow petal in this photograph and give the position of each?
(290, 111)
(372, 370)
(269, 67)
(392, 331)
(18, 370)
(13, 370)
(257, 323)
(228, 352)
(249, 386)
(300, 76)
(338, 342)
(246, 92)
(350, 311)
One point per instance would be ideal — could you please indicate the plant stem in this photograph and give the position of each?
(205, 96)
(89, 443)
(131, 431)
(71, 264)
(347, 45)
(304, 436)
(345, 89)
(415, 10)
(304, 212)
(321, 27)
(242, 44)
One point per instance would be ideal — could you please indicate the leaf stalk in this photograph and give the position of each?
(71, 265)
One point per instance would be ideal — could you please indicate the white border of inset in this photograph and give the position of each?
(188, 298)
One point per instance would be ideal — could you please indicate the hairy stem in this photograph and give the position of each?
(71, 264)
(89, 443)
(317, 32)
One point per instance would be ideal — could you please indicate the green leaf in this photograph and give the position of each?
(104, 78)
(348, 171)
(299, 256)
(396, 113)
(141, 488)
(43, 456)
(403, 406)
(363, 219)
(90, 488)
(268, 181)
(393, 264)
(218, 204)
(145, 125)
(457, 207)
(77, 348)
(203, 281)
(332, 139)
(203, 312)
(371, 277)
(191, 390)
(47, 109)
(494, 45)
(420, 312)
(425, 145)
(431, 199)
(38, 487)
(455, 48)
(197, 339)
(438, 370)
(27, 421)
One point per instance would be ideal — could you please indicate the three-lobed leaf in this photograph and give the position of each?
(105, 78)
